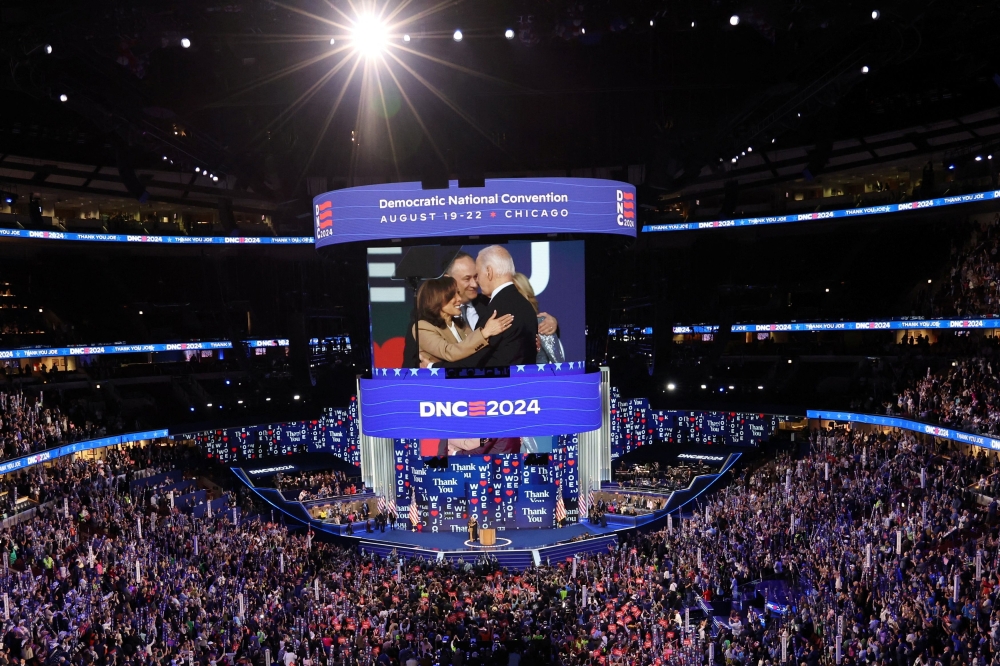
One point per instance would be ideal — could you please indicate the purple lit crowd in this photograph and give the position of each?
(863, 538)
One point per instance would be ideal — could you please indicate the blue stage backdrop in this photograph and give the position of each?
(634, 424)
(503, 491)
(335, 432)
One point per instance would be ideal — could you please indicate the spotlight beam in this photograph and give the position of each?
(413, 109)
(454, 107)
(388, 127)
(294, 107)
(311, 15)
(464, 70)
(441, 6)
(329, 117)
(281, 73)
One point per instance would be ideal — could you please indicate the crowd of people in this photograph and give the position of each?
(318, 484)
(869, 534)
(659, 477)
(26, 426)
(966, 397)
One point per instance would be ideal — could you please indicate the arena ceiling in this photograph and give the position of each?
(261, 97)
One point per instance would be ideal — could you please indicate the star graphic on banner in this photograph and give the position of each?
(541, 366)
(520, 368)
(413, 372)
(434, 372)
(398, 372)
(493, 213)
(559, 366)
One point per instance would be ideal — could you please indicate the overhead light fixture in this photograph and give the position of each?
(239, 402)
(48, 49)
(876, 14)
(731, 388)
(773, 140)
(928, 282)
(749, 149)
(192, 409)
(583, 31)
(209, 405)
(369, 35)
(734, 160)
(332, 41)
(457, 35)
(734, 20)
(406, 38)
(760, 388)
(864, 69)
(186, 43)
(63, 98)
(828, 290)
(789, 361)
(979, 158)
(140, 311)
(197, 169)
(650, 23)
(508, 33)
(704, 386)
(267, 400)
(693, 23)
(296, 397)
(671, 386)
(215, 178)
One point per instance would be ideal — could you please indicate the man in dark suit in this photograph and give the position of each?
(517, 345)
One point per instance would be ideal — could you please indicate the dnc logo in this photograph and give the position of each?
(461, 408)
(324, 219)
(626, 208)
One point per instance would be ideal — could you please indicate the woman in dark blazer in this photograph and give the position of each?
(442, 334)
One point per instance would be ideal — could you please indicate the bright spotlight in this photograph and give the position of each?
(864, 69)
(369, 35)
(48, 49)
(186, 43)
(734, 20)
(215, 178)
(332, 41)
(979, 158)
(457, 36)
(671, 386)
(651, 23)
(197, 169)
(876, 14)
(508, 33)
(63, 98)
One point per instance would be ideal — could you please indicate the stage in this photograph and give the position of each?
(515, 548)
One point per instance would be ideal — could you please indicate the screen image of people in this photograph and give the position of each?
(431, 448)
(477, 306)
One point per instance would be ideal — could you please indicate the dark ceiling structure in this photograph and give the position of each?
(255, 91)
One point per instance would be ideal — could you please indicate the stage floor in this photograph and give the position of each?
(453, 541)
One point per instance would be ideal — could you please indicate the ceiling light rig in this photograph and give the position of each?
(369, 36)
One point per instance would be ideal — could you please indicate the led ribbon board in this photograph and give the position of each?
(165, 240)
(828, 214)
(984, 441)
(505, 207)
(878, 325)
(529, 403)
(77, 447)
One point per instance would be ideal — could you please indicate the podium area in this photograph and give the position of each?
(487, 536)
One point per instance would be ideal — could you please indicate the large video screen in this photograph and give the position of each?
(479, 349)
(501, 207)
(477, 305)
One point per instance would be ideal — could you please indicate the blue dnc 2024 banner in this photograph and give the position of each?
(518, 406)
(505, 206)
